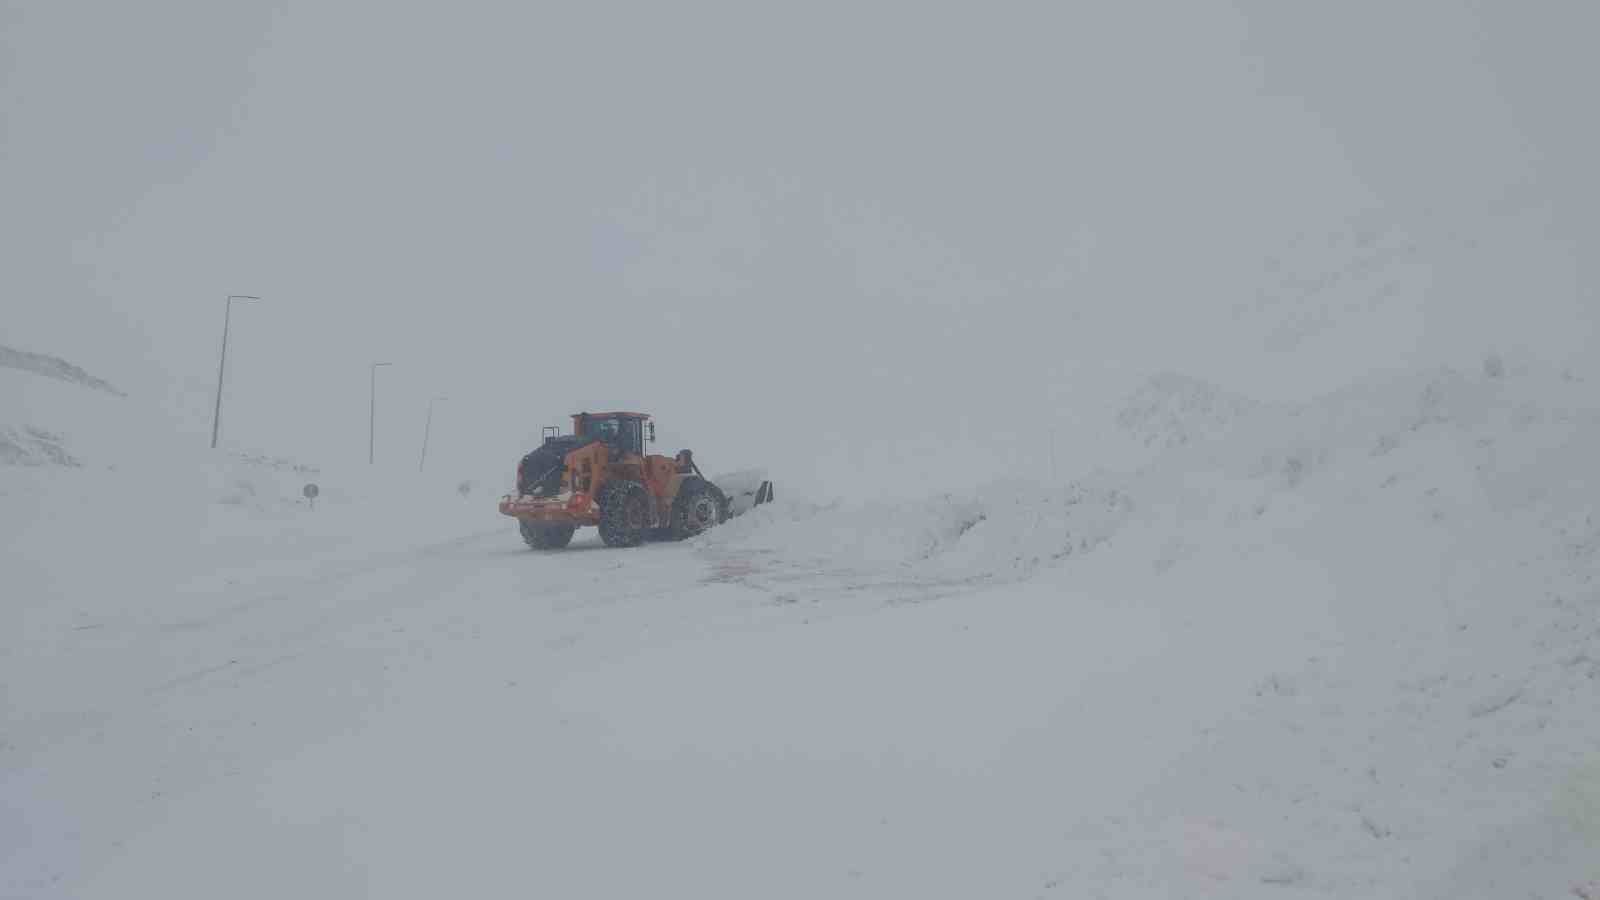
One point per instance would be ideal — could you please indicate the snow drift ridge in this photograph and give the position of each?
(54, 367)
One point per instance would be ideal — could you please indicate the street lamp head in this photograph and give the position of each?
(242, 297)
(376, 365)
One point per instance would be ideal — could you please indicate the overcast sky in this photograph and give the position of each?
(774, 225)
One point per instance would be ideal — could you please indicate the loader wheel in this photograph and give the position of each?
(546, 537)
(698, 507)
(624, 514)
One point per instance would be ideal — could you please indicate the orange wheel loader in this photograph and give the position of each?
(600, 475)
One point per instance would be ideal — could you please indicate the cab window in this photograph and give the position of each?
(623, 433)
(604, 429)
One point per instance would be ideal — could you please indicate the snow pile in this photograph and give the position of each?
(1330, 286)
(1171, 410)
(1001, 532)
(1387, 596)
(1444, 528)
(30, 446)
(1222, 465)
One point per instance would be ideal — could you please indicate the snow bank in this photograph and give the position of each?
(1172, 410)
(1003, 531)
(1410, 562)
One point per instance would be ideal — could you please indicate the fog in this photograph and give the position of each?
(839, 240)
(1182, 416)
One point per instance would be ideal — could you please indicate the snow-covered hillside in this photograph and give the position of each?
(53, 367)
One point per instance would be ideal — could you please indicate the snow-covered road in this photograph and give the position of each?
(472, 718)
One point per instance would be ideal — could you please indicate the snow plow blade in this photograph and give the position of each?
(745, 490)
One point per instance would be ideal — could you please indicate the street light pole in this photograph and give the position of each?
(1052, 455)
(372, 412)
(222, 365)
(427, 426)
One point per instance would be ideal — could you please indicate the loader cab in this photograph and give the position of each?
(624, 431)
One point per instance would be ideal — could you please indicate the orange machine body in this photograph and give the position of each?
(588, 468)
